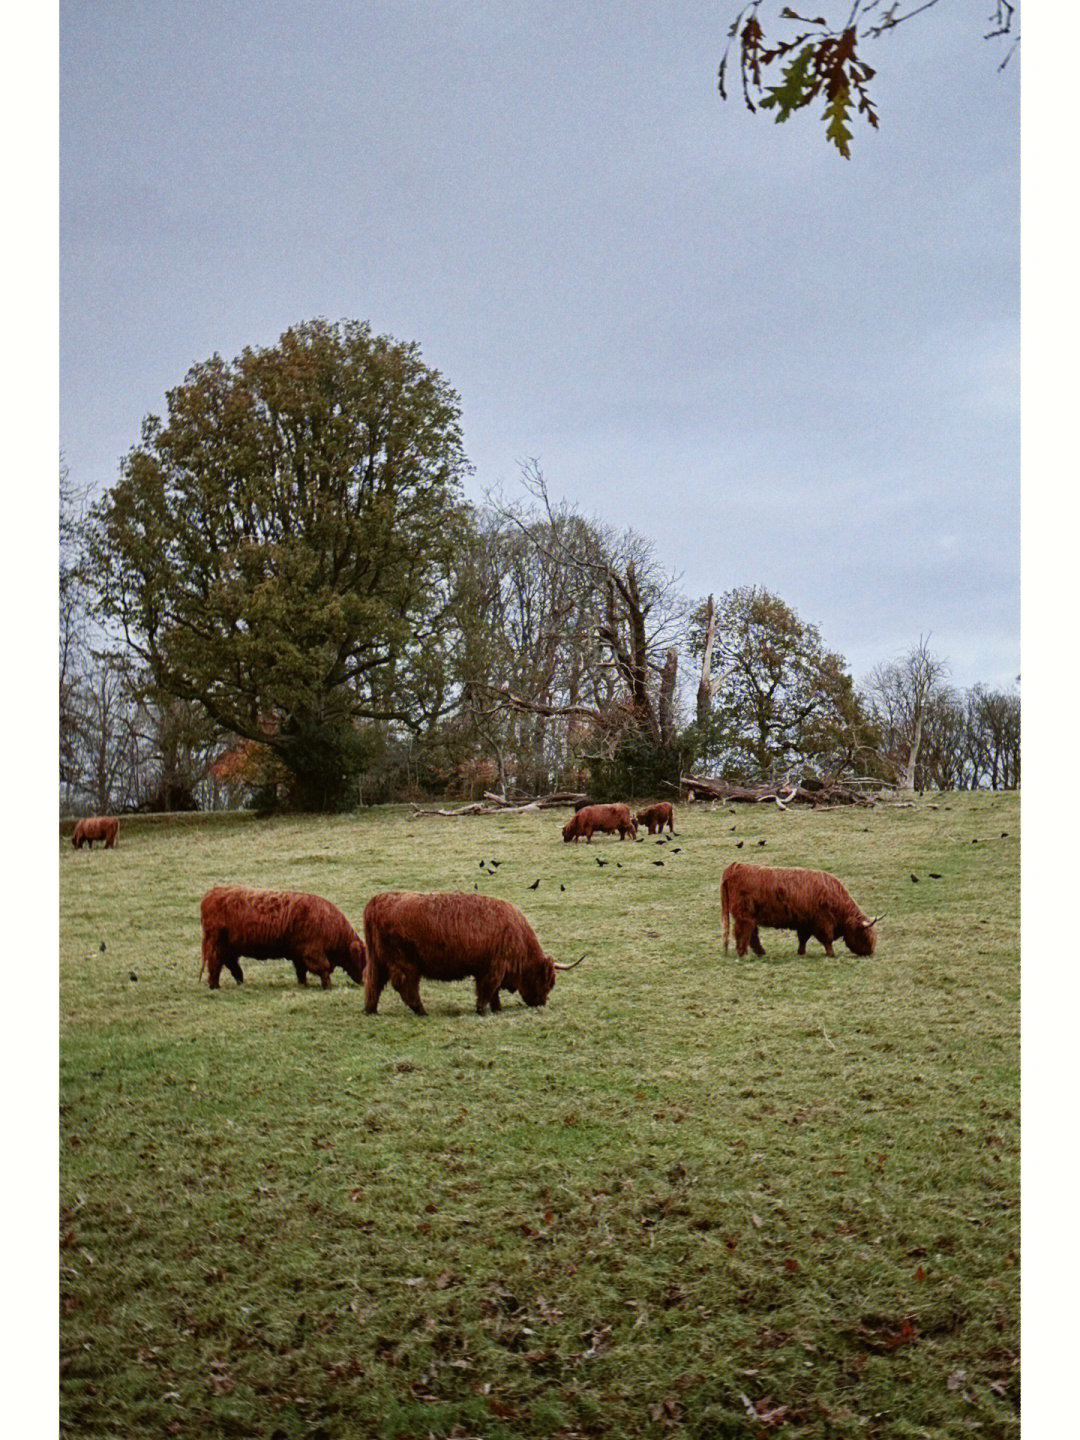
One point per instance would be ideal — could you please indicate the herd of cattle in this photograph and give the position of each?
(411, 936)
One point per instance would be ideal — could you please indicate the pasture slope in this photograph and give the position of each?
(693, 1196)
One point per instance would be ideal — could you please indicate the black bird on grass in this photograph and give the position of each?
(761, 842)
(562, 887)
(602, 862)
(915, 878)
(934, 875)
(132, 975)
(658, 862)
(101, 948)
(535, 883)
(738, 844)
(677, 850)
(495, 863)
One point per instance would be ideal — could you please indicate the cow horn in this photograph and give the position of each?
(572, 963)
(874, 921)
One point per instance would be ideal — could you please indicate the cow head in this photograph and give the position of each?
(353, 960)
(536, 981)
(860, 937)
(569, 830)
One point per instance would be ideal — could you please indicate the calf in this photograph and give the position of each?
(656, 817)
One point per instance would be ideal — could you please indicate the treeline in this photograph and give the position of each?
(286, 601)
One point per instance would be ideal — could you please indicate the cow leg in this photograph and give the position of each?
(316, 962)
(211, 962)
(826, 936)
(804, 932)
(375, 978)
(744, 936)
(232, 964)
(755, 942)
(487, 993)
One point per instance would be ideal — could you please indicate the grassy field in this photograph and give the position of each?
(693, 1196)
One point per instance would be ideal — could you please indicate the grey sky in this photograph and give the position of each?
(782, 367)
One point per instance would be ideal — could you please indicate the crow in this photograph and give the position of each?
(101, 948)
(934, 875)
(496, 863)
(738, 844)
(602, 862)
(562, 887)
(658, 862)
(915, 878)
(535, 883)
(132, 975)
(677, 850)
(1004, 834)
(761, 842)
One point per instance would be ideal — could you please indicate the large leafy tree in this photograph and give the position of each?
(772, 698)
(278, 548)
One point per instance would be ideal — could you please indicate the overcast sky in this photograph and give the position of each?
(782, 367)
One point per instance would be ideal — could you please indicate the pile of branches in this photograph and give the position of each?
(782, 793)
(493, 804)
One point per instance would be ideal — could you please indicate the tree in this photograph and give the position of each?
(277, 550)
(771, 697)
(822, 59)
(604, 635)
(73, 620)
(903, 694)
(993, 726)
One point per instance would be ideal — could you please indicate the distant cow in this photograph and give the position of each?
(96, 827)
(810, 902)
(604, 818)
(656, 817)
(451, 936)
(277, 925)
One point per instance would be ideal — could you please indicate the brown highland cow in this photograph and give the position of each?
(96, 827)
(603, 818)
(810, 902)
(277, 925)
(656, 817)
(452, 936)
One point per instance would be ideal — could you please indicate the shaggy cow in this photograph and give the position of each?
(452, 936)
(810, 902)
(605, 818)
(96, 827)
(656, 817)
(277, 925)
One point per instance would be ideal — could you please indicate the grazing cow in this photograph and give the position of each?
(452, 936)
(656, 817)
(605, 818)
(810, 902)
(277, 925)
(96, 827)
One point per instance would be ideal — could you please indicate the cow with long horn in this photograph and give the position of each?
(411, 936)
(810, 902)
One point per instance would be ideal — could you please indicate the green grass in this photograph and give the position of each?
(693, 1196)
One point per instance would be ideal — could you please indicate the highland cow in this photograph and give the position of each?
(96, 827)
(451, 936)
(277, 925)
(810, 902)
(604, 818)
(656, 817)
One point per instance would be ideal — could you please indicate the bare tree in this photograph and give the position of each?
(902, 694)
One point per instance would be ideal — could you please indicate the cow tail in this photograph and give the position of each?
(725, 911)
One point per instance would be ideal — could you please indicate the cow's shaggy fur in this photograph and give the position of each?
(656, 817)
(810, 902)
(603, 818)
(277, 925)
(452, 936)
(96, 827)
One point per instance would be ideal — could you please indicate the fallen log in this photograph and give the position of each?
(696, 787)
(499, 805)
